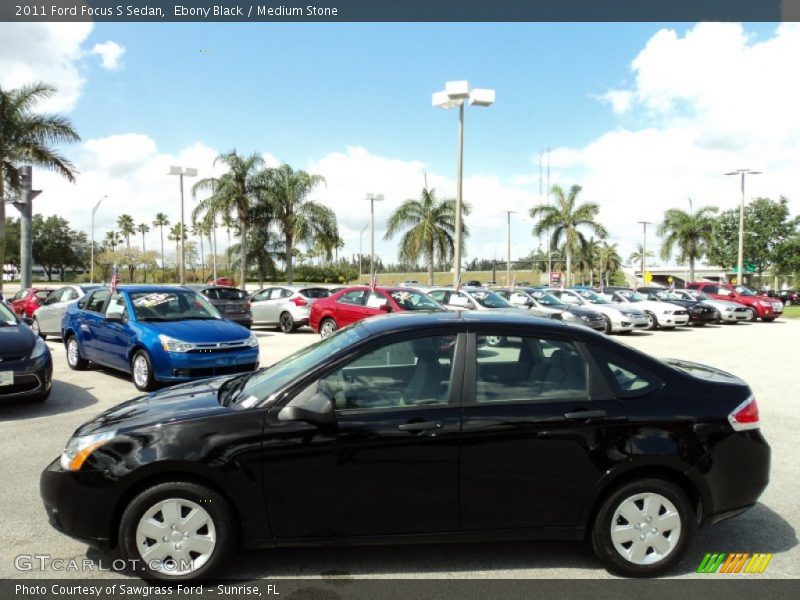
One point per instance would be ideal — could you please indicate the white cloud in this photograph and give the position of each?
(110, 54)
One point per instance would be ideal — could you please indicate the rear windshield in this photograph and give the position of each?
(315, 292)
(225, 294)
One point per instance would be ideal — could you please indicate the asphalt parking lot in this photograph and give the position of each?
(764, 354)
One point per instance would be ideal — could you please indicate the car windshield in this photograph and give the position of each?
(667, 296)
(266, 382)
(744, 291)
(6, 316)
(634, 297)
(413, 300)
(594, 297)
(172, 306)
(546, 299)
(489, 299)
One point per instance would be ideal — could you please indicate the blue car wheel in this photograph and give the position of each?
(142, 371)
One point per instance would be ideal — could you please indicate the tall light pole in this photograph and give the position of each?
(644, 247)
(182, 172)
(549, 232)
(360, 248)
(91, 268)
(740, 256)
(454, 95)
(373, 198)
(508, 263)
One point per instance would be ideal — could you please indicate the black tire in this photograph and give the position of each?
(753, 315)
(653, 321)
(286, 323)
(604, 547)
(217, 508)
(608, 325)
(768, 319)
(144, 380)
(36, 330)
(327, 327)
(75, 361)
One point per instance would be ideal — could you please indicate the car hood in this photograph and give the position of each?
(16, 340)
(659, 307)
(210, 330)
(702, 371)
(581, 310)
(179, 403)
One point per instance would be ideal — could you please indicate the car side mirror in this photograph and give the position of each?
(386, 307)
(317, 411)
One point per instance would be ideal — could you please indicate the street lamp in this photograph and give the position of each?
(91, 267)
(182, 172)
(360, 246)
(373, 198)
(508, 263)
(454, 95)
(740, 258)
(644, 248)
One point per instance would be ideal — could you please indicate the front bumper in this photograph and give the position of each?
(32, 378)
(734, 315)
(185, 366)
(78, 504)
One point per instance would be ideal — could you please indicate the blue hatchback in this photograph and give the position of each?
(157, 334)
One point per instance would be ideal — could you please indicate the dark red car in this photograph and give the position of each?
(355, 303)
(223, 281)
(25, 302)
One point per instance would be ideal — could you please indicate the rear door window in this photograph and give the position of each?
(355, 297)
(627, 379)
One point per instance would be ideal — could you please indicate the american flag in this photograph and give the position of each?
(373, 283)
(114, 277)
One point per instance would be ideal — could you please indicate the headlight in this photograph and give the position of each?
(172, 345)
(765, 304)
(39, 348)
(728, 309)
(79, 448)
(252, 341)
(667, 311)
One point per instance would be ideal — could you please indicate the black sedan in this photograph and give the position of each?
(26, 368)
(700, 313)
(409, 427)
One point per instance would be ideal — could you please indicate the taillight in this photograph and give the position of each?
(247, 304)
(745, 416)
(298, 301)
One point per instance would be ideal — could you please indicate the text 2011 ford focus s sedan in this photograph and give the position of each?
(411, 427)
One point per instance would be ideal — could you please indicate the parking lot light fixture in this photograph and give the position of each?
(373, 198)
(91, 265)
(454, 95)
(182, 172)
(740, 255)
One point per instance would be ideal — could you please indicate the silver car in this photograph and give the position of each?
(729, 312)
(618, 319)
(47, 318)
(285, 307)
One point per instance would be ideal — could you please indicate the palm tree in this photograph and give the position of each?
(127, 228)
(143, 228)
(161, 221)
(29, 137)
(175, 236)
(639, 255)
(234, 192)
(608, 259)
(201, 228)
(113, 239)
(298, 218)
(430, 225)
(565, 219)
(587, 259)
(691, 232)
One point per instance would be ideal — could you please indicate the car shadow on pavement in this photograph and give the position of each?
(64, 398)
(758, 530)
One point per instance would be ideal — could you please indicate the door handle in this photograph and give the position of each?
(585, 414)
(420, 426)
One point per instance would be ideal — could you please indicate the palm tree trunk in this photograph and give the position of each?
(691, 268)
(2, 231)
(144, 263)
(430, 265)
(163, 272)
(289, 268)
(202, 260)
(569, 267)
(243, 244)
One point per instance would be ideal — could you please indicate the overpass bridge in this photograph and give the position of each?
(679, 274)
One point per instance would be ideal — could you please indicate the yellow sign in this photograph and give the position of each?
(734, 281)
(669, 279)
(648, 277)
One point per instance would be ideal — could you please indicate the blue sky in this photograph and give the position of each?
(643, 115)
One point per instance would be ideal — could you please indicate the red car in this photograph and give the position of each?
(353, 304)
(764, 308)
(223, 281)
(25, 302)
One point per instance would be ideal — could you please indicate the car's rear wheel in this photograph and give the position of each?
(327, 327)
(643, 528)
(286, 323)
(74, 360)
(36, 329)
(177, 531)
(142, 371)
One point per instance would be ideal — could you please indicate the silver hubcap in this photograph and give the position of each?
(140, 370)
(645, 528)
(176, 537)
(72, 352)
(493, 340)
(328, 328)
(35, 326)
(651, 321)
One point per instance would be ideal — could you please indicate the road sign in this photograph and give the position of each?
(669, 279)
(648, 277)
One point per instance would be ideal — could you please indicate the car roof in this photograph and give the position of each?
(142, 288)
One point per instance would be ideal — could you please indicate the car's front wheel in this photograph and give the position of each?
(74, 359)
(753, 317)
(327, 327)
(177, 531)
(36, 329)
(142, 371)
(643, 528)
(652, 322)
(609, 326)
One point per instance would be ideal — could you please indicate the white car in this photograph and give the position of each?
(729, 312)
(659, 314)
(618, 319)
